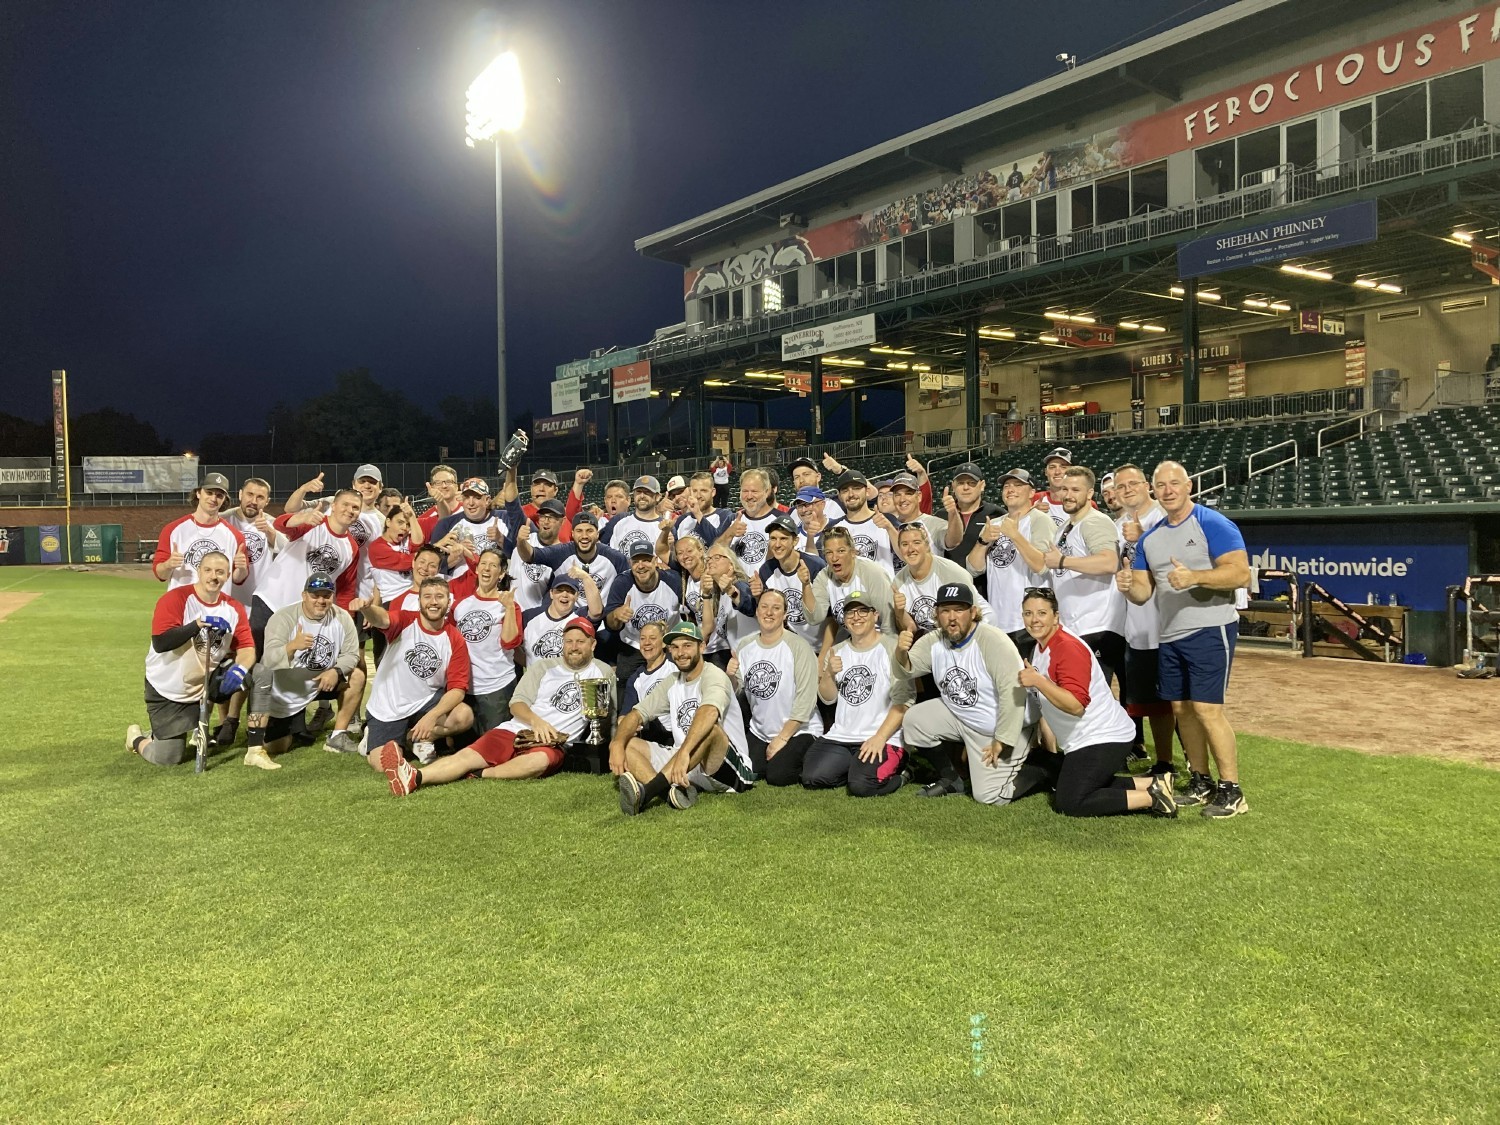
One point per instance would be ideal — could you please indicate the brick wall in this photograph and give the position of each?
(139, 523)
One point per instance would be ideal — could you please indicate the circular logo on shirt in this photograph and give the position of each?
(762, 679)
(359, 531)
(1002, 553)
(423, 660)
(549, 645)
(921, 610)
(864, 546)
(319, 657)
(795, 615)
(476, 625)
(322, 558)
(685, 713)
(751, 548)
(959, 688)
(568, 698)
(837, 609)
(648, 611)
(538, 574)
(694, 599)
(193, 556)
(255, 545)
(857, 685)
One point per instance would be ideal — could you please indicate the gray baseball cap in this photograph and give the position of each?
(650, 484)
(369, 471)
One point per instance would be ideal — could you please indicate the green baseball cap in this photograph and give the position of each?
(686, 629)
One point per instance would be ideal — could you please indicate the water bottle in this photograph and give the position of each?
(514, 450)
(1370, 598)
(1393, 600)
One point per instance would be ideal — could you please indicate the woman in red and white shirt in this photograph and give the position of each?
(1093, 732)
(490, 622)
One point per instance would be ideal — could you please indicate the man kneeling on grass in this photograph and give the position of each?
(420, 685)
(546, 715)
(698, 705)
(312, 652)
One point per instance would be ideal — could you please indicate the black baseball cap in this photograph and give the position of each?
(955, 593)
(808, 461)
(784, 524)
(318, 583)
(640, 548)
(851, 479)
(585, 516)
(566, 582)
(552, 507)
(969, 469)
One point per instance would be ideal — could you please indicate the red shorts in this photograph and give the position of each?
(498, 746)
(1147, 710)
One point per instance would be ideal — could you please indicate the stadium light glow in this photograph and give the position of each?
(1048, 338)
(764, 375)
(881, 349)
(496, 100)
(1306, 271)
(1280, 306)
(716, 383)
(1076, 318)
(995, 332)
(1463, 236)
(839, 361)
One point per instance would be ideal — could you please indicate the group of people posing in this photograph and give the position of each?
(824, 643)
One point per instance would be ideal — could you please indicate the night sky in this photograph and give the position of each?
(207, 207)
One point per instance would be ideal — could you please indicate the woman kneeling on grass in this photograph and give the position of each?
(1093, 732)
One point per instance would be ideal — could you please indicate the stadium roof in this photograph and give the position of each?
(1156, 65)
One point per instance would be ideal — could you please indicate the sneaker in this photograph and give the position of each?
(1163, 803)
(1200, 790)
(389, 758)
(901, 779)
(405, 779)
(364, 743)
(133, 732)
(1229, 800)
(341, 742)
(1163, 769)
(631, 794)
(356, 726)
(682, 796)
(256, 756)
(322, 715)
(944, 787)
(1137, 754)
(228, 730)
(425, 752)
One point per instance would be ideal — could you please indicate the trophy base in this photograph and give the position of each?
(586, 759)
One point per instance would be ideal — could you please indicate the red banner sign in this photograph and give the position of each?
(632, 381)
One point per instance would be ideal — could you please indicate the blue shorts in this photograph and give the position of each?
(1195, 668)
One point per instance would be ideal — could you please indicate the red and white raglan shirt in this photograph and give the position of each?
(419, 664)
(1071, 665)
(492, 662)
(311, 549)
(260, 549)
(192, 540)
(390, 566)
(178, 674)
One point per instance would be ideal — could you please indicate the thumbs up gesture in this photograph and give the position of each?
(950, 505)
(1130, 528)
(1029, 677)
(757, 587)
(1124, 577)
(904, 640)
(898, 602)
(300, 640)
(1180, 577)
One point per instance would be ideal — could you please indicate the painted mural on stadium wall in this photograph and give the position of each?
(1362, 71)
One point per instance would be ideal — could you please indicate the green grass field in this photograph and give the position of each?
(302, 945)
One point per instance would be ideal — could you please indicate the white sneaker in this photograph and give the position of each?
(256, 756)
(425, 752)
(132, 732)
(364, 743)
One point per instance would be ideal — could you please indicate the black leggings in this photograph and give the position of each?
(1087, 784)
(786, 767)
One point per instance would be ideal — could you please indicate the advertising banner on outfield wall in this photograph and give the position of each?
(567, 394)
(632, 381)
(12, 546)
(25, 476)
(1355, 561)
(559, 425)
(853, 333)
(139, 474)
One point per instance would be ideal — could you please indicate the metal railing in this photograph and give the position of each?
(1252, 470)
(1286, 187)
(1208, 481)
(1347, 430)
(1465, 388)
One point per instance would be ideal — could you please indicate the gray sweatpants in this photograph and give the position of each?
(929, 723)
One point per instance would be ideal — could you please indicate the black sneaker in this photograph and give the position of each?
(1137, 754)
(1228, 800)
(1163, 803)
(944, 787)
(682, 796)
(228, 730)
(1200, 790)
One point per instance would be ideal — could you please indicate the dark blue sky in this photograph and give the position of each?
(206, 207)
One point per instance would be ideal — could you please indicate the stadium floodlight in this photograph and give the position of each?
(497, 104)
(497, 100)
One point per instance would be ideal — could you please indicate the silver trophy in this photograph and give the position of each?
(596, 709)
(514, 450)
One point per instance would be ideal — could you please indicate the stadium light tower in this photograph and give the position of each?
(497, 104)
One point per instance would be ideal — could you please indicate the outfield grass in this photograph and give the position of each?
(302, 945)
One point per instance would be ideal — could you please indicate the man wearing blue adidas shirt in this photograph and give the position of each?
(1195, 561)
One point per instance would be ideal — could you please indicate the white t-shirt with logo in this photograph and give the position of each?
(260, 549)
(550, 688)
(780, 682)
(675, 702)
(310, 550)
(192, 540)
(542, 634)
(661, 603)
(419, 664)
(867, 689)
(492, 666)
(871, 542)
(178, 674)
(750, 547)
(1088, 603)
(921, 596)
(1006, 574)
(798, 616)
(294, 686)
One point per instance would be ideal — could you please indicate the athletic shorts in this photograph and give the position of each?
(722, 780)
(498, 746)
(1140, 685)
(490, 709)
(1195, 668)
(169, 718)
(382, 731)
